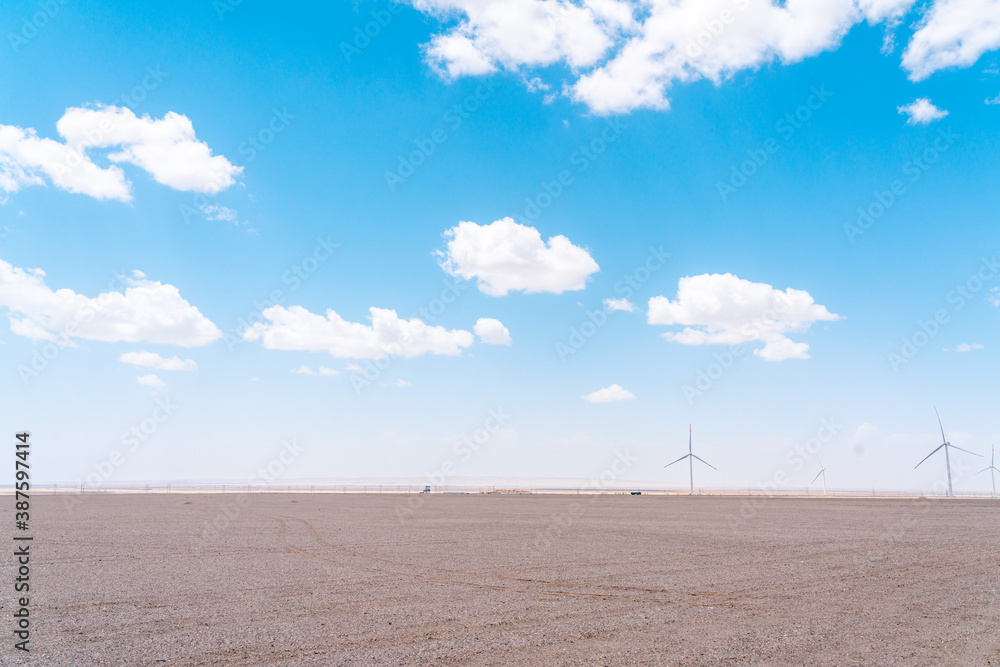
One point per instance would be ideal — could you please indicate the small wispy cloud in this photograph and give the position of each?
(151, 381)
(965, 347)
(619, 304)
(322, 371)
(612, 394)
(145, 359)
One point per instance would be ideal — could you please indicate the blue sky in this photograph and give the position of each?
(305, 132)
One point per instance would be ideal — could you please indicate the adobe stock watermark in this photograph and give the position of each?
(580, 160)
(914, 168)
(74, 156)
(31, 25)
(137, 95)
(786, 128)
(795, 460)
(254, 144)
(559, 524)
(363, 35)
(450, 122)
(132, 439)
(233, 506)
(294, 278)
(957, 298)
(625, 288)
(372, 369)
(706, 377)
(467, 446)
(47, 352)
(898, 530)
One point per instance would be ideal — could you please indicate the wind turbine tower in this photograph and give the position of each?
(822, 472)
(992, 468)
(946, 446)
(691, 456)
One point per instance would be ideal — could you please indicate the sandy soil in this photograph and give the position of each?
(299, 579)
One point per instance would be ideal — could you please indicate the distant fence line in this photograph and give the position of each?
(193, 487)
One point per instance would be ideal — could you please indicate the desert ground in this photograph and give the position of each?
(352, 579)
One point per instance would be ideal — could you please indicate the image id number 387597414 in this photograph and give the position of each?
(22, 541)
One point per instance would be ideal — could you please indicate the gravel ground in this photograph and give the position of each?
(331, 579)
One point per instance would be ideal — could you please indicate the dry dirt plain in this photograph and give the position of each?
(332, 579)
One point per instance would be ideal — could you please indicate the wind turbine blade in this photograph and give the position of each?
(677, 461)
(815, 478)
(705, 462)
(943, 439)
(985, 469)
(928, 456)
(964, 450)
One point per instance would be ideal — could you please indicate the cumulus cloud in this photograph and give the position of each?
(994, 296)
(146, 311)
(521, 32)
(505, 256)
(627, 54)
(401, 384)
(144, 359)
(295, 328)
(953, 33)
(619, 304)
(724, 309)
(965, 347)
(922, 112)
(166, 148)
(611, 394)
(151, 381)
(491, 331)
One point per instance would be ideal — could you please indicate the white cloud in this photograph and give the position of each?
(153, 360)
(994, 296)
(147, 311)
(216, 212)
(354, 368)
(151, 381)
(953, 33)
(611, 394)
(505, 256)
(401, 384)
(993, 100)
(166, 148)
(491, 331)
(922, 112)
(521, 32)
(322, 370)
(724, 309)
(619, 304)
(965, 347)
(295, 328)
(627, 54)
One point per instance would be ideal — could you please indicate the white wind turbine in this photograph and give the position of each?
(992, 467)
(822, 471)
(691, 456)
(946, 446)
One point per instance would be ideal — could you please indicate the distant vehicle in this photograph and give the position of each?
(427, 489)
(637, 493)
